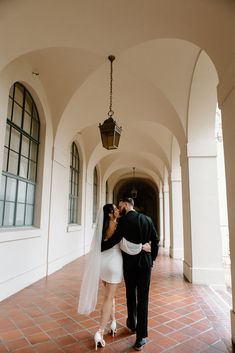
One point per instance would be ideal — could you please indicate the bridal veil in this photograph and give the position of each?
(90, 282)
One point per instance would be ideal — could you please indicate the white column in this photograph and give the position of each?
(166, 241)
(187, 269)
(228, 124)
(161, 218)
(207, 265)
(176, 244)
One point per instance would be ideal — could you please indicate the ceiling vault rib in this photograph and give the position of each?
(190, 88)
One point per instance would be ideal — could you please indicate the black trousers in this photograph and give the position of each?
(137, 281)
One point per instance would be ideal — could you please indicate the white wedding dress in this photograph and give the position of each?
(111, 265)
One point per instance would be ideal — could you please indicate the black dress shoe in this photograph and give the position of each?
(131, 328)
(140, 343)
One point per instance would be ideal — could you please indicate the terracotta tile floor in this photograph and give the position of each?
(183, 318)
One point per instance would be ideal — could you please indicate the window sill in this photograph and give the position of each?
(73, 227)
(18, 233)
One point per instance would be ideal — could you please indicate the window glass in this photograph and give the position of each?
(95, 194)
(74, 184)
(15, 140)
(33, 151)
(21, 196)
(23, 167)
(29, 215)
(5, 156)
(7, 136)
(18, 181)
(27, 123)
(25, 146)
(13, 162)
(32, 171)
(17, 115)
(20, 211)
(28, 103)
(1, 211)
(8, 218)
(35, 113)
(2, 187)
(11, 189)
(30, 194)
(35, 129)
(19, 94)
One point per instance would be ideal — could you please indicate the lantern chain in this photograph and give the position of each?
(111, 112)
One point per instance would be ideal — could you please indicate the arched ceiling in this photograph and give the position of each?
(157, 44)
(105, 26)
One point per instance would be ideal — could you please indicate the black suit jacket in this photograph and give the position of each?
(137, 228)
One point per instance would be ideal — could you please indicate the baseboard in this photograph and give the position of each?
(207, 276)
(59, 263)
(21, 281)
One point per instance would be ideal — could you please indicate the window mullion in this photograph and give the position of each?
(4, 202)
(16, 197)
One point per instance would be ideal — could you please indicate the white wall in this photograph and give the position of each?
(23, 251)
(29, 254)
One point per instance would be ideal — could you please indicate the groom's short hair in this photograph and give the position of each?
(128, 200)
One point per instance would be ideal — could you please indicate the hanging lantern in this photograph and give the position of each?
(110, 132)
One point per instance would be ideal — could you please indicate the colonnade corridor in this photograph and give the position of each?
(182, 317)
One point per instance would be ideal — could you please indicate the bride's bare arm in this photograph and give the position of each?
(110, 230)
(147, 247)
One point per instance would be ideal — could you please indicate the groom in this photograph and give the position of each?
(138, 229)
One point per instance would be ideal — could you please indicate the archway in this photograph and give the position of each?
(146, 200)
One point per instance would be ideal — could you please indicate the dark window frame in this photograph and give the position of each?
(74, 184)
(25, 165)
(95, 194)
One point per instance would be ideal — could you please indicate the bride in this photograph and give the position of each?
(107, 266)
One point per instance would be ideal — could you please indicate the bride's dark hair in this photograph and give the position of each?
(108, 208)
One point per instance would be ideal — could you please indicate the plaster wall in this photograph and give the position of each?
(26, 246)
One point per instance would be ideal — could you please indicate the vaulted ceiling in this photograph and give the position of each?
(158, 45)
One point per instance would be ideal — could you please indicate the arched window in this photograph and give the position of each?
(95, 194)
(20, 163)
(74, 184)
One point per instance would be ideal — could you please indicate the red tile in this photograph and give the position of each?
(38, 337)
(75, 348)
(46, 326)
(28, 331)
(46, 347)
(176, 324)
(164, 329)
(183, 318)
(65, 340)
(11, 335)
(25, 350)
(58, 332)
(19, 343)
(178, 336)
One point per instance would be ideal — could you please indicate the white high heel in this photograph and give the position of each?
(113, 328)
(98, 338)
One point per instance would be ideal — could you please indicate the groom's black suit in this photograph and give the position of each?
(136, 228)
